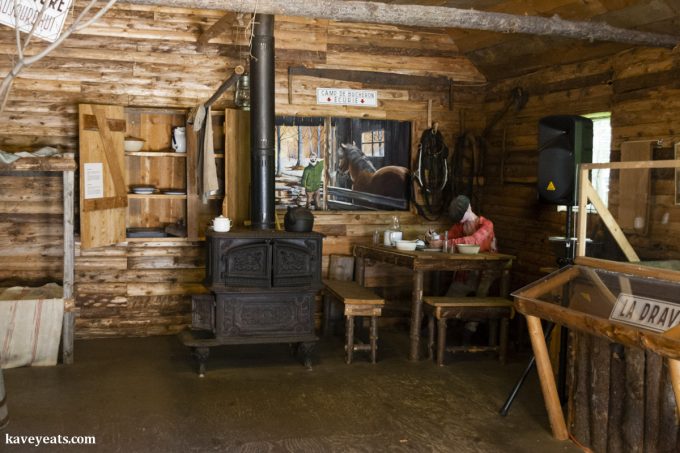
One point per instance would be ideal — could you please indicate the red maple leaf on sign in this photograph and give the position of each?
(329, 99)
(362, 101)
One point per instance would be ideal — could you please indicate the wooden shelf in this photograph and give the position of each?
(156, 154)
(219, 155)
(56, 164)
(157, 196)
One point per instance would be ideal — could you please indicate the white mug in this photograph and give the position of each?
(221, 224)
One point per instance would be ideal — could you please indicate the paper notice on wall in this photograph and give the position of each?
(341, 96)
(28, 12)
(94, 180)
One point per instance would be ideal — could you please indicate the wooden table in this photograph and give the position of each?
(420, 262)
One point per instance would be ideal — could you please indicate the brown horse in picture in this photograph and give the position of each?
(389, 181)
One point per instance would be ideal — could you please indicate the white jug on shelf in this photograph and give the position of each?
(179, 139)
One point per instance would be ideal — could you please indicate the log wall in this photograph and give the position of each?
(31, 228)
(138, 56)
(639, 88)
(620, 398)
(147, 56)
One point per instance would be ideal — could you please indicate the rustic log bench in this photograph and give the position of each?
(467, 308)
(358, 301)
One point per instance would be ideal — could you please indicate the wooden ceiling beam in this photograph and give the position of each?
(429, 16)
(223, 24)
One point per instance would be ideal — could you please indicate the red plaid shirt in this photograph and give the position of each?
(482, 235)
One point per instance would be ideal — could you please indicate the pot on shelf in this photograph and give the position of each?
(298, 220)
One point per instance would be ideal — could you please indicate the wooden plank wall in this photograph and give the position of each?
(638, 87)
(31, 228)
(138, 56)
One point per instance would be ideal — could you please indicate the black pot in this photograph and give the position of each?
(298, 220)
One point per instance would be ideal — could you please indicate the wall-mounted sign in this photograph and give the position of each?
(341, 96)
(49, 27)
(652, 314)
(93, 182)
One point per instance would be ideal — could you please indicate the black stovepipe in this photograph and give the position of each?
(262, 118)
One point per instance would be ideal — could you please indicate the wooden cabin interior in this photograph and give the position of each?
(487, 72)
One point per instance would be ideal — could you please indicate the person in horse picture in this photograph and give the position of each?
(311, 180)
(469, 228)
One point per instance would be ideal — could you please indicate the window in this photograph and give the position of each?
(373, 143)
(602, 138)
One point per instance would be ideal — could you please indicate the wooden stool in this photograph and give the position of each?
(358, 301)
(467, 308)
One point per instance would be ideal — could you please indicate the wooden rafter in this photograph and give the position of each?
(430, 16)
(219, 27)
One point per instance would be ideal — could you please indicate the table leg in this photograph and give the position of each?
(416, 314)
(547, 378)
(505, 281)
(349, 338)
(360, 271)
(674, 366)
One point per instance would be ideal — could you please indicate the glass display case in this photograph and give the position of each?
(624, 304)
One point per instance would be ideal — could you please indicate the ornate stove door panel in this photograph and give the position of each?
(265, 314)
(247, 265)
(296, 263)
(203, 312)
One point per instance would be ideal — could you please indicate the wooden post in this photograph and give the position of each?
(4, 417)
(67, 332)
(416, 314)
(545, 373)
(674, 366)
(582, 213)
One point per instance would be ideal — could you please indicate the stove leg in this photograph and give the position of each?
(305, 350)
(201, 355)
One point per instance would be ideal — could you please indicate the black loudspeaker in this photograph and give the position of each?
(564, 141)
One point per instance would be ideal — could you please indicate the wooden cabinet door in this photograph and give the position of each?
(236, 203)
(103, 180)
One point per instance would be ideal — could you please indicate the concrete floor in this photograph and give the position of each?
(143, 395)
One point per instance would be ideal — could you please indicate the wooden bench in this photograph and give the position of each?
(468, 308)
(358, 301)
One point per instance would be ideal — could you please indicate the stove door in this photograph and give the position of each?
(248, 265)
(296, 263)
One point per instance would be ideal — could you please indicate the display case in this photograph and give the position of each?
(623, 314)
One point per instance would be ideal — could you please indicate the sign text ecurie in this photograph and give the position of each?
(652, 314)
(342, 96)
(28, 11)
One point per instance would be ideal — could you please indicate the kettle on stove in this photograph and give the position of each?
(298, 220)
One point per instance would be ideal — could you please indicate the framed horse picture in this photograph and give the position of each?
(342, 163)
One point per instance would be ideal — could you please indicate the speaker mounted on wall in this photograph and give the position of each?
(564, 142)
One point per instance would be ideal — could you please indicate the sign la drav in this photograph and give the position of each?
(49, 27)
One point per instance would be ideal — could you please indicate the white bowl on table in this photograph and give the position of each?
(467, 249)
(406, 245)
